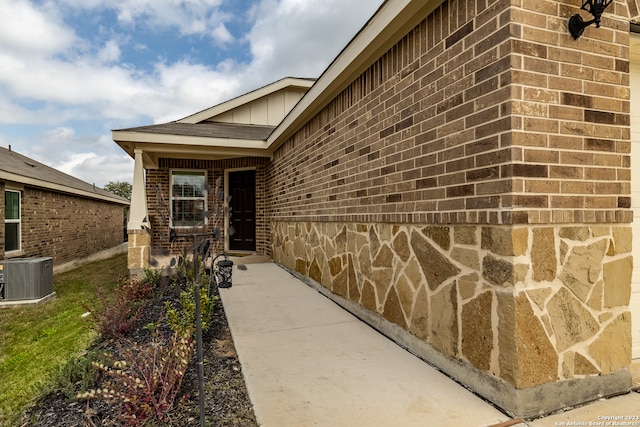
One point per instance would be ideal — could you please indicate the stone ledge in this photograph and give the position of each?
(531, 402)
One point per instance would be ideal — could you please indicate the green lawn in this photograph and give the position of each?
(36, 340)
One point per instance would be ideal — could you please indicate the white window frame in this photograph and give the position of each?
(172, 198)
(14, 221)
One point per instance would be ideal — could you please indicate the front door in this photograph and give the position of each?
(242, 189)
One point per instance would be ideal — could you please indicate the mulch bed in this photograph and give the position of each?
(226, 399)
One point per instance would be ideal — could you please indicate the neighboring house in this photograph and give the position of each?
(48, 213)
(460, 177)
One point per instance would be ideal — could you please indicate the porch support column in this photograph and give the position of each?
(138, 214)
(139, 239)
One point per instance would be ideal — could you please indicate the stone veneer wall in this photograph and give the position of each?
(524, 305)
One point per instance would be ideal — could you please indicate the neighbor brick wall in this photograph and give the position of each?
(487, 114)
(215, 169)
(2, 188)
(66, 227)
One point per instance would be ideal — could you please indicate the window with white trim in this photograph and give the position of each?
(188, 198)
(12, 235)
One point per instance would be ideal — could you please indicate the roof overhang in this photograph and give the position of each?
(33, 182)
(393, 20)
(155, 146)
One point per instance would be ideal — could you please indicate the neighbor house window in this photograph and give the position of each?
(11, 221)
(188, 198)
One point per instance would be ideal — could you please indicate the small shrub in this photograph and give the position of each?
(77, 375)
(182, 318)
(118, 313)
(115, 315)
(135, 289)
(151, 276)
(147, 381)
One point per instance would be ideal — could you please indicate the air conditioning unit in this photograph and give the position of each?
(26, 278)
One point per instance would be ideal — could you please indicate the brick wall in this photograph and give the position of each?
(2, 188)
(490, 123)
(159, 178)
(66, 227)
(481, 114)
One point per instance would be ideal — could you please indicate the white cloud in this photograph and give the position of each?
(189, 16)
(93, 159)
(49, 76)
(12, 113)
(301, 37)
(221, 34)
(98, 169)
(61, 134)
(289, 38)
(110, 52)
(28, 30)
(75, 160)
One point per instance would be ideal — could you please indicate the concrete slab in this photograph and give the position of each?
(27, 302)
(618, 411)
(306, 361)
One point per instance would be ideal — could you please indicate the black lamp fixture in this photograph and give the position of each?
(594, 7)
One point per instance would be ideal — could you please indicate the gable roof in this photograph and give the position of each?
(234, 128)
(210, 113)
(21, 169)
(393, 20)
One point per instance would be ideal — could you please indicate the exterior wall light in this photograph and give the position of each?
(594, 7)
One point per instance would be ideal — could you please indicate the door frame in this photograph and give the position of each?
(634, 303)
(226, 196)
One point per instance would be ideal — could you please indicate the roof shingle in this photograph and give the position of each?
(208, 130)
(17, 164)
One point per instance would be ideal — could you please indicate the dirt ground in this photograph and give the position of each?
(226, 399)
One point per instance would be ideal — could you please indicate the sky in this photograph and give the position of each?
(73, 70)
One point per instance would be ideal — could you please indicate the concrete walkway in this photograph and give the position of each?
(308, 362)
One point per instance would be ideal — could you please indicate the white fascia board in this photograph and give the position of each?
(393, 20)
(8, 176)
(247, 98)
(203, 151)
(179, 140)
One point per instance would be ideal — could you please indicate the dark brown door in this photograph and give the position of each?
(242, 189)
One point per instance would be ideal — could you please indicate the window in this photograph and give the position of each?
(11, 221)
(188, 198)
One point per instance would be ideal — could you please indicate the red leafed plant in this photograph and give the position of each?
(147, 380)
(117, 313)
